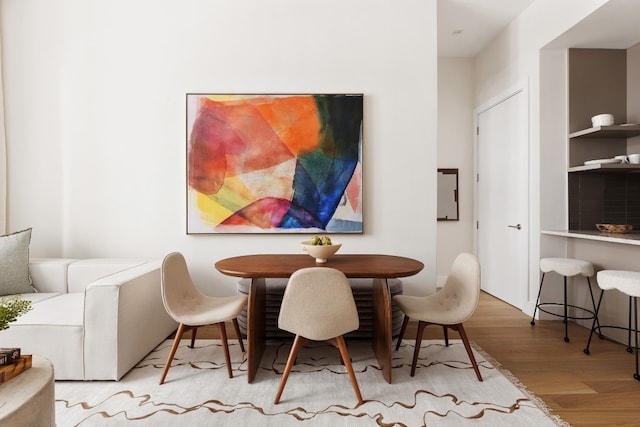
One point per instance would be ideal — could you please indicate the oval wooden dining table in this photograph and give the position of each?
(378, 267)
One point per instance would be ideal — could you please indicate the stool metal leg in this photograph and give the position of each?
(593, 326)
(636, 375)
(533, 318)
(594, 309)
(629, 349)
(566, 323)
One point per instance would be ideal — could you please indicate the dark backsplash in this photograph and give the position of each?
(612, 198)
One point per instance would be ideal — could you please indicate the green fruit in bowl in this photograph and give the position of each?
(320, 241)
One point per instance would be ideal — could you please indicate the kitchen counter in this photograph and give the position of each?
(632, 238)
(606, 251)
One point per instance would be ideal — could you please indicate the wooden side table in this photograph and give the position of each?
(29, 399)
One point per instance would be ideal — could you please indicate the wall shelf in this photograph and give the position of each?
(615, 131)
(610, 192)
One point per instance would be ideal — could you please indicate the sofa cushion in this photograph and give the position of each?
(14, 263)
(55, 309)
(53, 328)
(37, 297)
(50, 274)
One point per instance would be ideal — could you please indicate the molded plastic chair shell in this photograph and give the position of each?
(191, 308)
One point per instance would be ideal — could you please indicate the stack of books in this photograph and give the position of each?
(12, 363)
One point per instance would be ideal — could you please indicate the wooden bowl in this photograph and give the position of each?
(615, 228)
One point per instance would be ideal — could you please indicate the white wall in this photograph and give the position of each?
(512, 57)
(455, 150)
(95, 112)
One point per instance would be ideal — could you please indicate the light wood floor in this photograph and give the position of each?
(595, 390)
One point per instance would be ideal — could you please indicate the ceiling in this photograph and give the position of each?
(465, 27)
(612, 26)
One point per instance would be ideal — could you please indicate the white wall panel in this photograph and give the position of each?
(95, 102)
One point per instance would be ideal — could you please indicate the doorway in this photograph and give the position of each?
(502, 196)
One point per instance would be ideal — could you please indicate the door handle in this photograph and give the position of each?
(518, 226)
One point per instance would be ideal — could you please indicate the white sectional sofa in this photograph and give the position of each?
(94, 319)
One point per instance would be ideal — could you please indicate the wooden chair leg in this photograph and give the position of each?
(238, 334)
(347, 363)
(225, 347)
(446, 335)
(402, 331)
(416, 351)
(172, 352)
(297, 342)
(467, 346)
(194, 330)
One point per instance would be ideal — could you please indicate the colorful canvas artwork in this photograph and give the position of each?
(274, 163)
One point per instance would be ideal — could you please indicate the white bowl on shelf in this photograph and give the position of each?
(320, 252)
(623, 158)
(602, 120)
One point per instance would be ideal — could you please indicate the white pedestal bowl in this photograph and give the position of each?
(320, 252)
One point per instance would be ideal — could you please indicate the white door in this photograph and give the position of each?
(502, 197)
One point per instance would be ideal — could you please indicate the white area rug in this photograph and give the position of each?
(197, 392)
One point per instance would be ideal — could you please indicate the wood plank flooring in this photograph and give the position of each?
(595, 390)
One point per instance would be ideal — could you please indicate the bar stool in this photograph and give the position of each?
(627, 282)
(566, 267)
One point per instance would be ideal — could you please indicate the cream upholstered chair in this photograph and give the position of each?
(318, 305)
(192, 309)
(449, 307)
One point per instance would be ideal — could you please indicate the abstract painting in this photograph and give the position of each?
(274, 163)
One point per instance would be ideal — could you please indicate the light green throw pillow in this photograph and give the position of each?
(14, 263)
